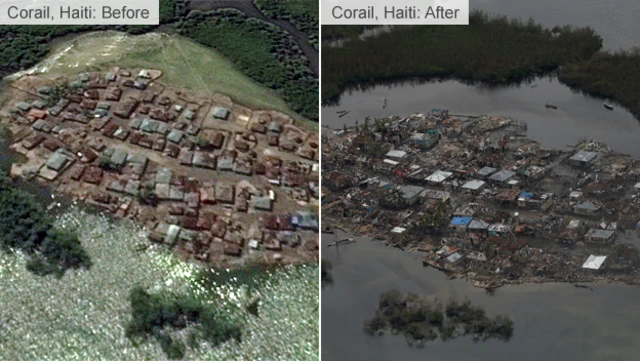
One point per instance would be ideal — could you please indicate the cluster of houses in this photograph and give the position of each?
(475, 193)
(204, 174)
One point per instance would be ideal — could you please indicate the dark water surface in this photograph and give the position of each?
(552, 321)
(577, 117)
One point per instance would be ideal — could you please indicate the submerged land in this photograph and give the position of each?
(481, 201)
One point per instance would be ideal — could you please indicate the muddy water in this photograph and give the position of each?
(552, 321)
(578, 116)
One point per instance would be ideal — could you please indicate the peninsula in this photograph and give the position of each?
(479, 200)
(220, 183)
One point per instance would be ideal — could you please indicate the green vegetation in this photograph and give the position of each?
(491, 50)
(343, 32)
(108, 165)
(608, 75)
(148, 196)
(262, 51)
(421, 321)
(26, 227)
(24, 46)
(159, 315)
(303, 14)
(183, 62)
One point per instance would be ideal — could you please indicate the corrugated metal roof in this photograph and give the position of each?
(461, 220)
(439, 176)
(594, 262)
(583, 156)
(473, 184)
(502, 175)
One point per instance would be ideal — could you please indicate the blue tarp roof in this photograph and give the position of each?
(526, 195)
(461, 221)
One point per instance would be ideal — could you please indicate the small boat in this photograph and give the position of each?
(487, 285)
(583, 286)
(385, 104)
(607, 104)
(551, 106)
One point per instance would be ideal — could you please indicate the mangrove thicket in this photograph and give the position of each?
(26, 227)
(491, 49)
(421, 320)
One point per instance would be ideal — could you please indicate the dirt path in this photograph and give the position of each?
(247, 7)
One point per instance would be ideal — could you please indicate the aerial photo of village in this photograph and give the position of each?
(159, 186)
(480, 191)
(214, 179)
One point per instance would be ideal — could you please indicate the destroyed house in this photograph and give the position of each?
(498, 229)
(507, 197)
(535, 201)
(338, 180)
(424, 140)
(442, 196)
(534, 172)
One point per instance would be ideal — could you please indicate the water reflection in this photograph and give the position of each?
(82, 316)
(577, 117)
(553, 321)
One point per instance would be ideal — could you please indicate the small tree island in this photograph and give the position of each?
(421, 320)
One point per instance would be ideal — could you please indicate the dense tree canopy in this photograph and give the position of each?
(158, 315)
(25, 226)
(491, 50)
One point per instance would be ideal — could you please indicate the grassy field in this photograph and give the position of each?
(261, 50)
(184, 63)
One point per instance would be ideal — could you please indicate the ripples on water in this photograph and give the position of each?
(82, 316)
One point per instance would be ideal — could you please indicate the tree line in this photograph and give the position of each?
(25, 226)
(259, 49)
(491, 49)
(420, 320)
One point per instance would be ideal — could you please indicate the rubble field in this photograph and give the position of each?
(220, 183)
(481, 201)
